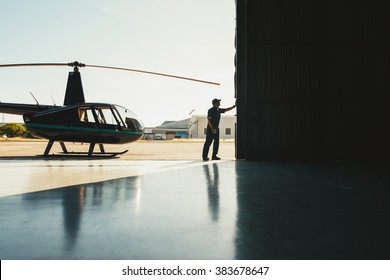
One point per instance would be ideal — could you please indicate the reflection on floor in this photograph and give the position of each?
(196, 210)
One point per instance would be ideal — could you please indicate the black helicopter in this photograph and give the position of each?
(78, 121)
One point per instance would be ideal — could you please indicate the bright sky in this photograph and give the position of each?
(192, 38)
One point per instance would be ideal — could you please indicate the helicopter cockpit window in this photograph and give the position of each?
(118, 117)
(106, 116)
(86, 115)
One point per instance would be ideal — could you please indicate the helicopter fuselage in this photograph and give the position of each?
(86, 122)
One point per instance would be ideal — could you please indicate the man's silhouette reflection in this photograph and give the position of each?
(212, 189)
(73, 200)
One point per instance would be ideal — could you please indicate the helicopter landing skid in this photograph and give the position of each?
(90, 152)
(85, 154)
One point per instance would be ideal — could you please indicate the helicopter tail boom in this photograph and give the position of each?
(21, 109)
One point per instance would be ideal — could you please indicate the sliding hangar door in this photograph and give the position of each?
(312, 80)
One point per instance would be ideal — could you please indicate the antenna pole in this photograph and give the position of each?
(34, 98)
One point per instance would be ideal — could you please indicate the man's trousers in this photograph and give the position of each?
(210, 137)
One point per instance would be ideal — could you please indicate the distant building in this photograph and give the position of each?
(148, 133)
(172, 129)
(227, 126)
(194, 127)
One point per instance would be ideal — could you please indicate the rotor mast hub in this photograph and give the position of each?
(76, 65)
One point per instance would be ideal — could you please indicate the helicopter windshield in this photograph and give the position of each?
(130, 119)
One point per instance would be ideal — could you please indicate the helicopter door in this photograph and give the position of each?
(103, 117)
(106, 116)
(118, 117)
(86, 115)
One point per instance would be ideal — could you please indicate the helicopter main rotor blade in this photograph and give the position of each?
(77, 64)
(153, 73)
(33, 64)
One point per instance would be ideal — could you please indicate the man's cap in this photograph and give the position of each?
(215, 100)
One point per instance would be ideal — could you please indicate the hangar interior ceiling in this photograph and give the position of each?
(312, 80)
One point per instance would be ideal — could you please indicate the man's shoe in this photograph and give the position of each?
(205, 159)
(216, 158)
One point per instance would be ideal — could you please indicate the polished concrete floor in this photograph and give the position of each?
(123, 209)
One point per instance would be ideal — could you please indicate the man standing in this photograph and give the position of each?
(213, 118)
